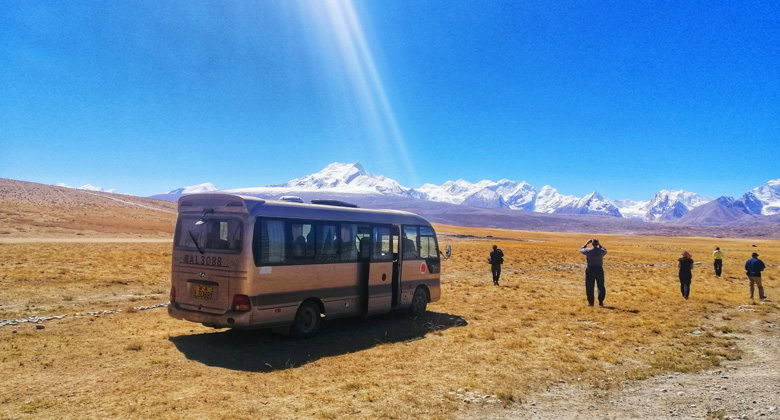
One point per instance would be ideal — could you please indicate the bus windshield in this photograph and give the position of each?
(214, 233)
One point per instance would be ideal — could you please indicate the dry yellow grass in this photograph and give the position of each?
(480, 344)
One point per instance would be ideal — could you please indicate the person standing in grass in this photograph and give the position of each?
(754, 267)
(594, 273)
(495, 260)
(718, 264)
(685, 264)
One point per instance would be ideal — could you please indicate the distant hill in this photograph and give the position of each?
(43, 211)
(30, 210)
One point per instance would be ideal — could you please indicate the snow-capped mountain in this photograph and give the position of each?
(453, 192)
(763, 200)
(352, 178)
(665, 206)
(515, 195)
(548, 199)
(631, 209)
(87, 187)
(194, 189)
(718, 212)
(593, 203)
(487, 199)
(671, 205)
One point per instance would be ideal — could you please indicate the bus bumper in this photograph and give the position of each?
(230, 319)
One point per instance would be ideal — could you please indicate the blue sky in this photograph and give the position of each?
(623, 97)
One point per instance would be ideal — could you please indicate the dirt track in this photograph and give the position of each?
(744, 389)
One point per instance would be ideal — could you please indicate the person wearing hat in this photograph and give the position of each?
(718, 264)
(754, 267)
(594, 273)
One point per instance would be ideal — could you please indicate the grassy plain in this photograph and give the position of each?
(480, 345)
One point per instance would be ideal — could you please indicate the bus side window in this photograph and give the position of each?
(427, 243)
(268, 242)
(410, 243)
(349, 247)
(298, 246)
(364, 242)
(382, 244)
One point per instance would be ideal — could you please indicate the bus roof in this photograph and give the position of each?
(253, 206)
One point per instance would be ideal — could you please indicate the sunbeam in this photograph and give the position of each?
(340, 23)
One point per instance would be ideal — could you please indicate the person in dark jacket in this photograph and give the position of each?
(495, 260)
(594, 273)
(685, 264)
(754, 267)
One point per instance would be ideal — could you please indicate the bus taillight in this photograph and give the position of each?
(241, 303)
(173, 294)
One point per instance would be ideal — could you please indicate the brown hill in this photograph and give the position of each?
(30, 210)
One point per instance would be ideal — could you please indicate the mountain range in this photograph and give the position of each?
(678, 207)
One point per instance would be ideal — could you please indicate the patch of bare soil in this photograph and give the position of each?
(748, 388)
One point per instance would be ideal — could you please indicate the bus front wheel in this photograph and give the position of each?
(307, 320)
(419, 302)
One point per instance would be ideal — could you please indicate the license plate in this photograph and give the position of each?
(203, 292)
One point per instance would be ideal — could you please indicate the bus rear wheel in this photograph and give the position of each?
(307, 320)
(419, 302)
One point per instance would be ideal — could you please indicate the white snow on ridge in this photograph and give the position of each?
(87, 187)
(349, 178)
(765, 199)
(549, 199)
(666, 205)
(195, 189)
(631, 209)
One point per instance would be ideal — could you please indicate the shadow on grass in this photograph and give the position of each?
(265, 351)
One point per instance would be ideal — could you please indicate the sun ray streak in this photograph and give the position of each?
(344, 26)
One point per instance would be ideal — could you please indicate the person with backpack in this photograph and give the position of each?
(495, 261)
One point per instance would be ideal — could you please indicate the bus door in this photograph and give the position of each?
(376, 268)
(396, 267)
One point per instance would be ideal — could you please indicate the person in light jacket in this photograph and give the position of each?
(717, 255)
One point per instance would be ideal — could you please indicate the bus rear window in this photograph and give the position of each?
(212, 235)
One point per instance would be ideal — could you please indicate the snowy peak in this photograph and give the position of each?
(334, 175)
(453, 192)
(194, 189)
(723, 211)
(593, 203)
(631, 209)
(345, 177)
(87, 187)
(486, 198)
(548, 199)
(666, 206)
(669, 205)
(763, 200)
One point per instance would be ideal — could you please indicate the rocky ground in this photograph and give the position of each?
(748, 388)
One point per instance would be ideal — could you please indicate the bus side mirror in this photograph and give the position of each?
(448, 251)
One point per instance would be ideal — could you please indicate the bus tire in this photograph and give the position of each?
(419, 302)
(307, 320)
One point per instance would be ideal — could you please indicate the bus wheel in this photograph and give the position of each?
(307, 320)
(419, 302)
